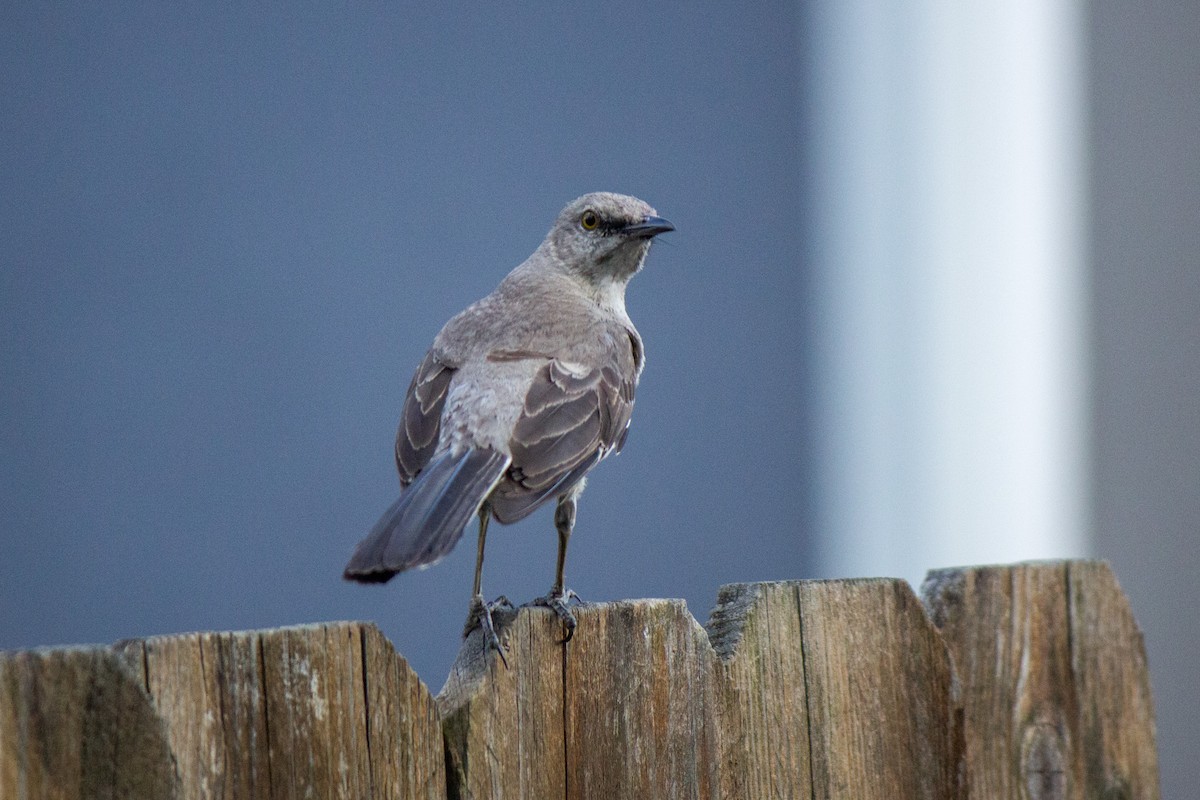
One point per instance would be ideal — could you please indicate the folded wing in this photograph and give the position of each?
(573, 416)
(421, 419)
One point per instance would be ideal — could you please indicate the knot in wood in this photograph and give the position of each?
(1044, 761)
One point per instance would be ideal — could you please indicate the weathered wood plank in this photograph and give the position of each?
(638, 702)
(1055, 693)
(1116, 705)
(75, 724)
(316, 712)
(879, 682)
(762, 710)
(504, 725)
(207, 687)
(405, 731)
(1008, 632)
(324, 711)
(834, 689)
(620, 712)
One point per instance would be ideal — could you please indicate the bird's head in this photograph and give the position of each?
(604, 236)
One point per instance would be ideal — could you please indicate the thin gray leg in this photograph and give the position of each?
(564, 522)
(559, 597)
(480, 613)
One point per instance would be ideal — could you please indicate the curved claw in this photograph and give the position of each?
(560, 605)
(480, 616)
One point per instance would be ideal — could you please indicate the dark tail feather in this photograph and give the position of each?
(428, 519)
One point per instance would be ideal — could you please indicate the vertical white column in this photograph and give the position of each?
(950, 253)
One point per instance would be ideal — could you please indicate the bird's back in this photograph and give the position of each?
(545, 374)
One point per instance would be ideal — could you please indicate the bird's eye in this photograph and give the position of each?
(589, 220)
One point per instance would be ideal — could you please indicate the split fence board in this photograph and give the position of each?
(882, 714)
(637, 700)
(1055, 691)
(762, 711)
(75, 724)
(834, 689)
(503, 725)
(324, 711)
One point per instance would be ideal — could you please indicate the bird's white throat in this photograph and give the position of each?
(609, 294)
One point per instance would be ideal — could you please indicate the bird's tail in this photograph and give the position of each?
(428, 519)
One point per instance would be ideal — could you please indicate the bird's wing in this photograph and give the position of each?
(421, 420)
(573, 415)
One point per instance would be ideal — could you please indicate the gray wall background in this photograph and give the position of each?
(227, 238)
(1145, 158)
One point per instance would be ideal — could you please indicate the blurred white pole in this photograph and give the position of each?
(950, 249)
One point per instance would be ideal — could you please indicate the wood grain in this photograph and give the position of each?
(881, 705)
(834, 689)
(325, 711)
(638, 703)
(1022, 681)
(1055, 692)
(503, 725)
(1112, 685)
(618, 713)
(762, 709)
(838, 689)
(75, 724)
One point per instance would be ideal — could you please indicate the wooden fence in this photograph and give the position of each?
(1022, 681)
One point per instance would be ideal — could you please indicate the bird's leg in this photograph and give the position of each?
(485, 513)
(559, 597)
(480, 614)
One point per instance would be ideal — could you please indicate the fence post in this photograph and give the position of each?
(326, 711)
(881, 704)
(75, 724)
(618, 712)
(1056, 693)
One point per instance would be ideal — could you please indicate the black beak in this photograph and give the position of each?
(649, 227)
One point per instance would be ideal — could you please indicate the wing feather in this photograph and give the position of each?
(421, 419)
(573, 415)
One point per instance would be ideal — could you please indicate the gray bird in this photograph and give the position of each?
(519, 397)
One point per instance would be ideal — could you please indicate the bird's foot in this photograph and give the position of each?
(480, 616)
(558, 601)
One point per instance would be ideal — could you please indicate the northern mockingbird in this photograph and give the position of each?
(519, 397)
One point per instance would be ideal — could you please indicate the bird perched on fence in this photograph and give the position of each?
(520, 396)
